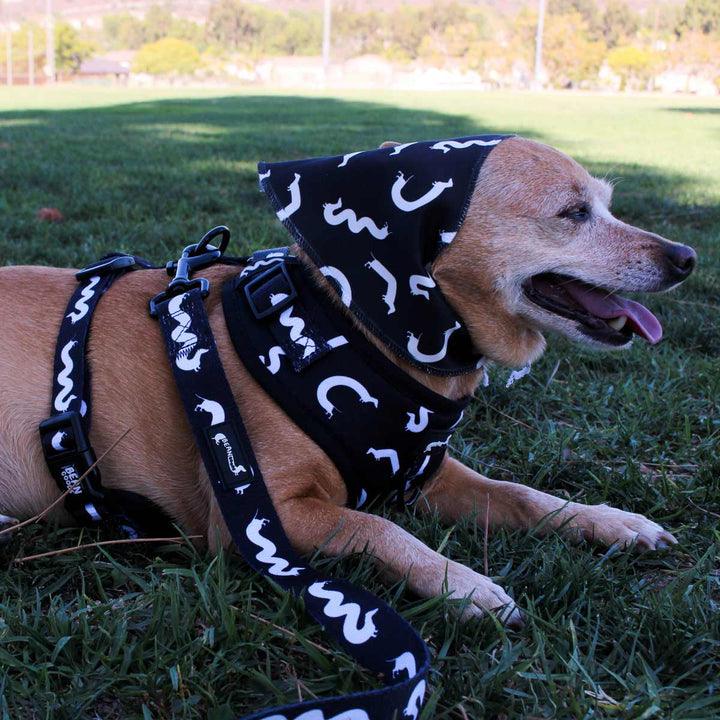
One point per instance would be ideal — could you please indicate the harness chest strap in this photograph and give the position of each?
(383, 430)
(365, 626)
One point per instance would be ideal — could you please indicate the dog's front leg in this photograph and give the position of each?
(312, 524)
(457, 492)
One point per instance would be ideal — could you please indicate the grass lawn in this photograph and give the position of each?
(171, 632)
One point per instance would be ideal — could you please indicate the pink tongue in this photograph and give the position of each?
(602, 305)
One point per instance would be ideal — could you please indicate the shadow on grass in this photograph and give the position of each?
(148, 177)
(695, 110)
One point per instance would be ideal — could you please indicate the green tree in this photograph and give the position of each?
(618, 22)
(699, 15)
(168, 56)
(236, 25)
(70, 48)
(122, 32)
(356, 32)
(157, 24)
(634, 65)
(569, 56)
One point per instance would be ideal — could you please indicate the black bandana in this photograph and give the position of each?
(373, 222)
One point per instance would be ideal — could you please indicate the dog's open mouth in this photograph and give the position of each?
(602, 315)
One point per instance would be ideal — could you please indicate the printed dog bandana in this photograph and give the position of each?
(373, 222)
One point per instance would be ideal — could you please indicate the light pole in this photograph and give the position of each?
(31, 58)
(327, 16)
(8, 56)
(50, 42)
(538, 45)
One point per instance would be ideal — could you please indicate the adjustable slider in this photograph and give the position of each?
(106, 266)
(270, 292)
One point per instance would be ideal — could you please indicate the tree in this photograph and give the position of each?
(235, 25)
(70, 48)
(569, 56)
(168, 56)
(700, 15)
(634, 65)
(618, 22)
(123, 32)
(158, 23)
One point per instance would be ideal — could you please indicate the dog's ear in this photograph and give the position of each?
(389, 143)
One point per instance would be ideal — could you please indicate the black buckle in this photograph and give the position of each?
(193, 258)
(106, 266)
(273, 281)
(69, 456)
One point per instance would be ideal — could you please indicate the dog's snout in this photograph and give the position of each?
(681, 260)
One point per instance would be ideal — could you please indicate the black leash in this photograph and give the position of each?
(367, 628)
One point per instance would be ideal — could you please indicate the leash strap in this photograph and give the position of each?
(366, 627)
(64, 435)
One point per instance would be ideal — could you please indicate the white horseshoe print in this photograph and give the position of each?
(413, 349)
(420, 284)
(418, 422)
(438, 187)
(341, 279)
(342, 380)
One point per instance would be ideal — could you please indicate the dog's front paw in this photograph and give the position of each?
(610, 526)
(484, 594)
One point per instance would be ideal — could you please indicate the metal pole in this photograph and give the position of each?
(50, 42)
(327, 14)
(8, 60)
(538, 44)
(31, 58)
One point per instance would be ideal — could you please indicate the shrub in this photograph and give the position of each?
(168, 56)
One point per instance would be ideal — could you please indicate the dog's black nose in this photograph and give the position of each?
(682, 260)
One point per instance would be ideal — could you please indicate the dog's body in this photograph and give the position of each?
(533, 211)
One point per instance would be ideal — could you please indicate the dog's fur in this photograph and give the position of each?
(514, 229)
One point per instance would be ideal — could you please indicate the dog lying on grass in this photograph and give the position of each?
(538, 251)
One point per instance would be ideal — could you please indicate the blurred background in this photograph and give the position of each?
(607, 45)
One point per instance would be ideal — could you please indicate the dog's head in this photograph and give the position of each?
(539, 250)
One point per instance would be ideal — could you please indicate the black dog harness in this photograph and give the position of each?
(366, 627)
(330, 380)
(383, 430)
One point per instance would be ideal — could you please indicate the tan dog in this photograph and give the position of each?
(536, 219)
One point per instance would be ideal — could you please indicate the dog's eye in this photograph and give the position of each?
(579, 213)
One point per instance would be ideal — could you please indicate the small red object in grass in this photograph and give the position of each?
(49, 215)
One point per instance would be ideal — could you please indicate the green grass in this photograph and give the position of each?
(170, 632)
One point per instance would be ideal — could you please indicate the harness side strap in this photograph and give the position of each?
(367, 628)
(64, 435)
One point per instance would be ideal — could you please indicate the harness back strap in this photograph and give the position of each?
(364, 625)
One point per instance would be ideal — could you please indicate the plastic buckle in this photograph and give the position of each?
(267, 285)
(69, 455)
(104, 267)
